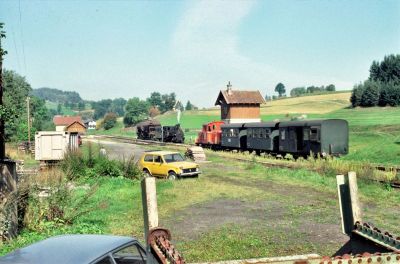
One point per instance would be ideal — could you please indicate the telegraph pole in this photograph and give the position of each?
(2, 135)
(28, 106)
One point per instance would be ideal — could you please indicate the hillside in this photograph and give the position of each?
(57, 96)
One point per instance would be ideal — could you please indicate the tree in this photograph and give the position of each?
(136, 110)
(101, 108)
(298, 91)
(188, 106)
(59, 109)
(386, 71)
(280, 89)
(81, 106)
(168, 102)
(330, 88)
(370, 94)
(356, 94)
(118, 106)
(109, 121)
(155, 99)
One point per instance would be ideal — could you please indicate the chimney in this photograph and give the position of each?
(229, 88)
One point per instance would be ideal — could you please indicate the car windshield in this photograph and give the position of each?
(173, 157)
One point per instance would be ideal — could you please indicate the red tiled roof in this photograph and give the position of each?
(240, 97)
(66, 120)
(74, 123)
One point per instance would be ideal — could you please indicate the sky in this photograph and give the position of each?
(111, 49)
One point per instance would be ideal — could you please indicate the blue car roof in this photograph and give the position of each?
(67, 249)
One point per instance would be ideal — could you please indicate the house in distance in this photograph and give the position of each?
(239, 106)
(72, 124)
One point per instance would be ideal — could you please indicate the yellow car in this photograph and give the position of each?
(167, 164)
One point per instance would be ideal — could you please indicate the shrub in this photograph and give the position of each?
(106, 167)
(129, 168)
(73, 165)
(356, 94)
(109, 121)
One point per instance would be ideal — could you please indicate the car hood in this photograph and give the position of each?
(184, 164)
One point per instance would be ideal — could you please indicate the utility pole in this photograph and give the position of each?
(2, 134)
(28, 106)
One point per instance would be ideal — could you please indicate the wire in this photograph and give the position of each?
(16, 50)
(22, 34)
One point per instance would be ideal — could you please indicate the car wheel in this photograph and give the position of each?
(172, 176)
(146, 173)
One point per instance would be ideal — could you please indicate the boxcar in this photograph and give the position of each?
(263, 136)
(149, 130)
(234, 136)
(324, 137)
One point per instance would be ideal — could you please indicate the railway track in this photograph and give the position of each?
(394, 184)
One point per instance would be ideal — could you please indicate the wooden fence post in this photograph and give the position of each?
(348, 201)
(150, 211)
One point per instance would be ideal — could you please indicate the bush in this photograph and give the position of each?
(109, 121)
(73, 165)
(129, 168)
(106, 167)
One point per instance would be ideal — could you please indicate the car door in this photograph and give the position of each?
(158, 165)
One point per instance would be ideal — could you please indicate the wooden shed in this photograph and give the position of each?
(239, 106)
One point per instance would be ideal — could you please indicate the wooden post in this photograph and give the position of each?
(348, 201)
(29, 122)
(150, 210)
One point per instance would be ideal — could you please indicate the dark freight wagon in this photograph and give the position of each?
(324, 137)
(152, 130)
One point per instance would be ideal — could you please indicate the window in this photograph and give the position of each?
(306, 134)
(148, 158)
(231, 132)
(129, 255)
(106, 260)
(267, 132)
(173, 157)
(314, 134)
(157, 159)
(283, 134)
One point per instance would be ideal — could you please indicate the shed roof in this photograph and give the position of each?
(240, 97)
(80, 123)
(66, 120)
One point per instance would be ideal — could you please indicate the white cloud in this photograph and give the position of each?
(206, 53)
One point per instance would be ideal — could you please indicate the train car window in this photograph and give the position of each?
(213, 127)
(236, 132)
(283, 134)
(267, 133)
(314, 135)
(306, 134)
(261, 133)
(231, 133)
(209, 128)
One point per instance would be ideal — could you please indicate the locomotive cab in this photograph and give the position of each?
(210, 135)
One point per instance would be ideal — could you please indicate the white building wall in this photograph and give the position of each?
(60, 128)
(241, 120)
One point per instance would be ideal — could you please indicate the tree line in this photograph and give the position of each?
(299, 91)
(382, 87)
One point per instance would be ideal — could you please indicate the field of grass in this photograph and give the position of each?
(232, 211)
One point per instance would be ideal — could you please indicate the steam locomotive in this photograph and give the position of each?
(152, 130)
(298, 138)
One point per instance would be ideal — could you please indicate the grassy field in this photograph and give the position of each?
(232, 211)
(117, 130)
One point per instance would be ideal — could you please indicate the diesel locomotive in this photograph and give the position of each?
(152, 130)
(299, 138)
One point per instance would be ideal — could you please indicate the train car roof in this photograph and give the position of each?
(309, 122)
(237, 125)
(261, 124)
